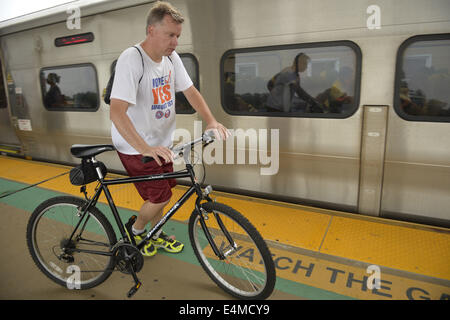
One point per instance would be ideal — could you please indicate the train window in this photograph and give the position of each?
(423, 79)
(182, 106)
(70, 88)
(313, 80)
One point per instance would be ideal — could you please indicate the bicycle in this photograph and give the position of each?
(68, 231)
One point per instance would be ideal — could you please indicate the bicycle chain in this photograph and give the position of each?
(136, 259)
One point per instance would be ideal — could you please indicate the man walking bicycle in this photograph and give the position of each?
(143, 116)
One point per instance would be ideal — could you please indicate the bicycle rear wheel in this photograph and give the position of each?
(51, 225)
(247, 270)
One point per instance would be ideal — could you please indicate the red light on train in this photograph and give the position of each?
(74, 39)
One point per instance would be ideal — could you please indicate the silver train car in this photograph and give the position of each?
(365, 129)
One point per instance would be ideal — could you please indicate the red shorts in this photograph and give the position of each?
(157, 191)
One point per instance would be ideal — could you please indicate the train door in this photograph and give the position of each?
(8, 138)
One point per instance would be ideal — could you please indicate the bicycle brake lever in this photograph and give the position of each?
(177, 152)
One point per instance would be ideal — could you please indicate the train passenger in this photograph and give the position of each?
(286, 94)
(143, 116)
(53, 98)
(340, 93)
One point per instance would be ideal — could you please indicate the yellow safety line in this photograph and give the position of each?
(8, 150)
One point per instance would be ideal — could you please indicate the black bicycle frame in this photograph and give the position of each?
(103, 187)
(195, 188)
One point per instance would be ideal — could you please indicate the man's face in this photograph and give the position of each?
(165, 35)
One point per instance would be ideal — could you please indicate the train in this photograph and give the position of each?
(364, 128)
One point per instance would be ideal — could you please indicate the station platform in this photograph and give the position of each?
(318, 254)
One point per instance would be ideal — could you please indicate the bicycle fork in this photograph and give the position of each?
(204, 216)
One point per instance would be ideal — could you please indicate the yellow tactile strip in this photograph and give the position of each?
(398, 245)
(415, 250)
(297, 227)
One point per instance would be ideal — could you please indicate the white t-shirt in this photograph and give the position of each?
(152, 101)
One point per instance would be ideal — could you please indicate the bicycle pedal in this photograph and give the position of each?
(134, 289)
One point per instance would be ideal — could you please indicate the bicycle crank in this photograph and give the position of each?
(129, 260)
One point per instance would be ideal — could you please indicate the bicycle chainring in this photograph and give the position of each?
(128, 256)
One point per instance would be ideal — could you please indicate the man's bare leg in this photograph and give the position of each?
(150, 212)
(153, 213)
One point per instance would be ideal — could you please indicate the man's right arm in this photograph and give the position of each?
(123, 124)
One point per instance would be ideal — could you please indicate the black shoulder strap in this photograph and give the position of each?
(142, 59)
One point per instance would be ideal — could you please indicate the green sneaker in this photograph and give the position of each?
(149, 249)
(167, 243)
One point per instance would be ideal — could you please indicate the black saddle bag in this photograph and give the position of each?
(85, 172)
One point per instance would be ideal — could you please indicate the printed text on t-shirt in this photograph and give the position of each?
(161, 90)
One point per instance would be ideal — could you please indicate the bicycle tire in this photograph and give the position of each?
(250, 245)
(54, 268)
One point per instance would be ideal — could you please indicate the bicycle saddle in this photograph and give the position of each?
(87, 151)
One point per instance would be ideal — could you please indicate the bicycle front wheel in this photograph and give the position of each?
(77, 259)
(242, 265)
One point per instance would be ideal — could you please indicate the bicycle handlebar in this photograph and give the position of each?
(179, 151)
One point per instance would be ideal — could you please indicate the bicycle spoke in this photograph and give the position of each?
(243, 272)
(48, 236)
